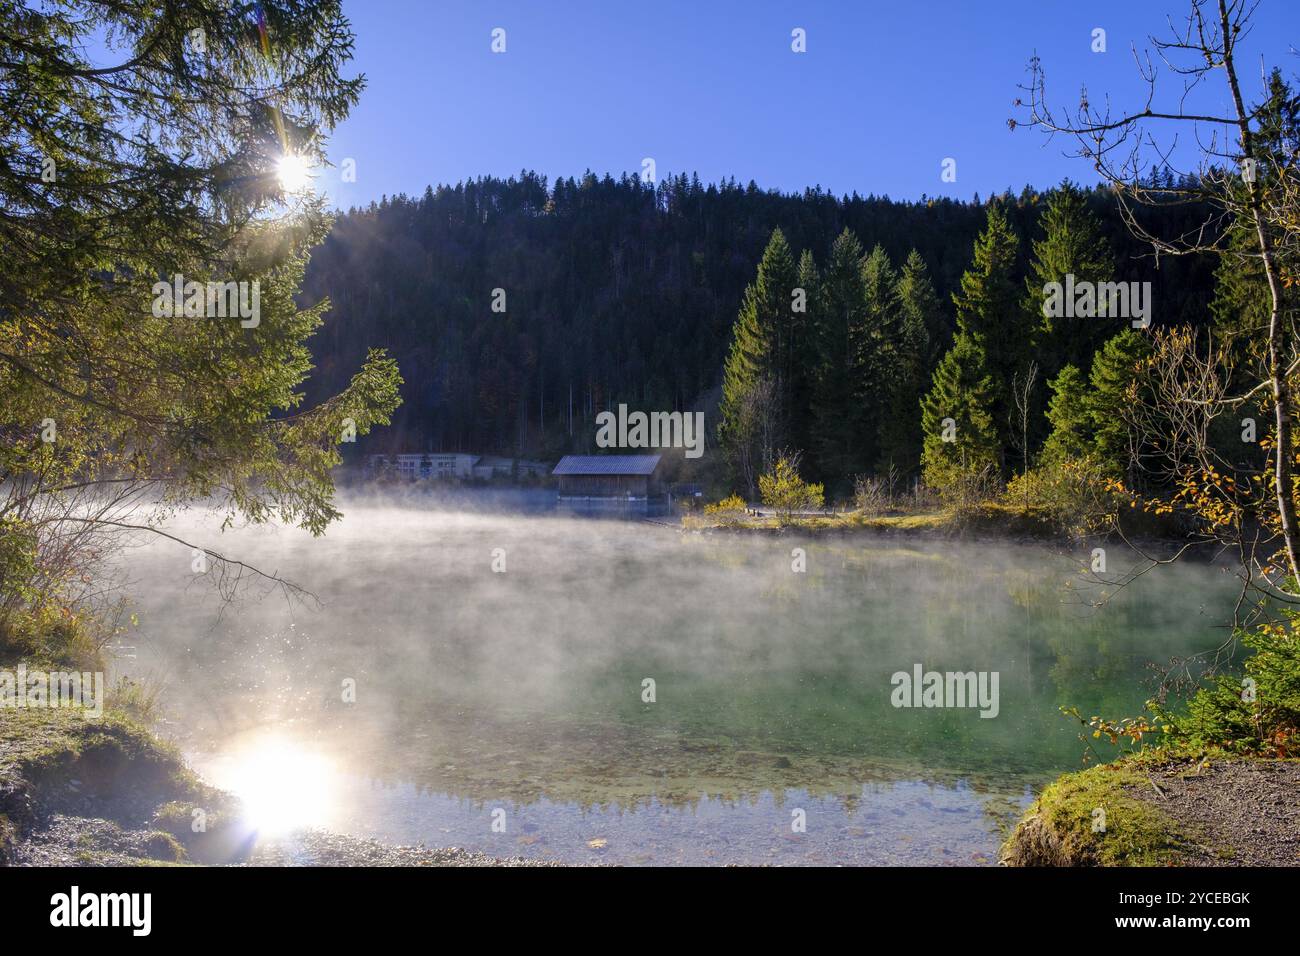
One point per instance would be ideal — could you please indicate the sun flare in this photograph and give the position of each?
(294, 172)
(282, 785)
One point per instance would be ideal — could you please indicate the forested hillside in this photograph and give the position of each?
(618, 291)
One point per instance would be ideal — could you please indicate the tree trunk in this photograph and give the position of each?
(1277, 330)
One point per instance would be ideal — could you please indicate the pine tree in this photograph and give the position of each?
(961, 439)
(922, 317)
(882, 313)
(836, 412)
(1115, 373)
(991, 325)
(916, 353)
(889, 368)
(877, 367)
(1072, 245)
(1068, 414)
(761, 352)
(1241, 303)
(802, 376)
(128, 158)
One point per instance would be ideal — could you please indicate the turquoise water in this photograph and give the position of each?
(429, 697)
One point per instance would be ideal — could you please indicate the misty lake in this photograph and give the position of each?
(430, 698)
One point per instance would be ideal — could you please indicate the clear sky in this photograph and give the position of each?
(885, 91)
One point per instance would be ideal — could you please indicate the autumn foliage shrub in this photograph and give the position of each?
(785, 492)
(1073, 494)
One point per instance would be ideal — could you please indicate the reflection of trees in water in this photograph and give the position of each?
(1107, 656)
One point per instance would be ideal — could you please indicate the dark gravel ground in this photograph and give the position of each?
(1247, 810)
(321, 848)
(89, 841)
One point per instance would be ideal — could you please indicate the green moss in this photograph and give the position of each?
(178, 817)
(113, 759)
(173, 817)
(224, 835)
(52, 760)
(45, 746)
(160, 863)
(164, 847)
(1060, 829)
(8, 834)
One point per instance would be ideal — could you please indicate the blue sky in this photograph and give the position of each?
(885, 92)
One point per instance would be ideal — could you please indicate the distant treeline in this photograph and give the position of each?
(615, 290)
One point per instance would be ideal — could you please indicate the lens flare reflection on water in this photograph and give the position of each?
(284, 786)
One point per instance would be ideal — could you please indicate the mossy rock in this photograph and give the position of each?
(112, 759)
(1063, 826)
(224, 836)
(164, 846)
(112, 769)
(59, 761)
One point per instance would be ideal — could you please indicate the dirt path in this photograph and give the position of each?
(1248, 810)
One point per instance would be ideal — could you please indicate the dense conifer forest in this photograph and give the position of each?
(615, 290)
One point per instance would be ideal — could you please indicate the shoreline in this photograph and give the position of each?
(1155, 808)
(108, 792)
(78, 791)
(989, 524)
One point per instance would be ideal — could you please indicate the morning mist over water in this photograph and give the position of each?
(429, 697)
(845, 436)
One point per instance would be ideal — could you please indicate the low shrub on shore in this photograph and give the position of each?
(785, 492)
(52, 636)
(1254, 713)
(1072, 494)
(729, 511)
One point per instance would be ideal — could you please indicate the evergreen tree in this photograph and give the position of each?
(837, 433)
(961, 439)
(762, 351)
(613, 298)
(779, 279)
(116, 178)
(878, 371)
(1068, 414)
(916, 354)
(991, 325)
(922, 315)
(900, 426)
(1072, 245)
(1116, 371)
(804, 352)
(1242, 301)
(881, 316)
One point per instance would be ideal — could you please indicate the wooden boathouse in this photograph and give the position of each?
(615, 485)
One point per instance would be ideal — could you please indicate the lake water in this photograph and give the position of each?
(429, 697)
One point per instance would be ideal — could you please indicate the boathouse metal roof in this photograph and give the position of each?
(607, 465)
